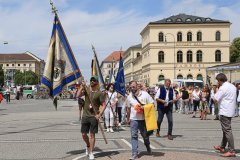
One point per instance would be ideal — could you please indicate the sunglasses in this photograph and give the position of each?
(94, 80)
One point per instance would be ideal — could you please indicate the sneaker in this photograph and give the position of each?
(91, 156)
(87, 150)
(219, 148)
(133, 157)
(229, 154)
(108, 130)
(111, 130)
(157, 134)
(170, 137)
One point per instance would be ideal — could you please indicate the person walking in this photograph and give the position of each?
(196, 95)
(226, 99)
(109, 113)
(135, 116)
(8, 97)
(238, 100)
(91, 113)
(185, 100)
(165, 98)
(213, 92)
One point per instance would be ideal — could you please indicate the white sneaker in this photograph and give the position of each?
(87, 150)
(108, 130)
(111, 130)
(91, 156)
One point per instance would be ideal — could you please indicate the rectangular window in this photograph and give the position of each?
(7, 64)
(199, 57)
(24, 65)
(179, 58)
(189, 57)
(18, 65)
(161, 58)
(12, 64)
(218, 57)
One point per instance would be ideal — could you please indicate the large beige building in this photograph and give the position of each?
(180, 46)
(20, 61)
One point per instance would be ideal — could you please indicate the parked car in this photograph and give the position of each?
(28, 91)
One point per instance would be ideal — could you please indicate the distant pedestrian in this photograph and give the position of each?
(196, 95)
(1, 97)
(226, 99)
(8, 92)
(238, 100)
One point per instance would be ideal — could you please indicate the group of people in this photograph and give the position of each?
(99, 104)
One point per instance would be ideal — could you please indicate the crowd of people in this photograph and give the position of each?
(222, 100)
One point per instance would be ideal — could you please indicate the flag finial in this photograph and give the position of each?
(54, 9)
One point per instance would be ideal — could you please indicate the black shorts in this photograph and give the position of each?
(89, 124)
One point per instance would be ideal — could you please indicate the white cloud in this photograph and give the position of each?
(28, 25)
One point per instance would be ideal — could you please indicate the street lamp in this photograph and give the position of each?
(174, 54)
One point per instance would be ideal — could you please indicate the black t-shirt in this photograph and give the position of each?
(185, 94)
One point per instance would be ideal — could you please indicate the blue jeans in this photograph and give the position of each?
(141, 126)
(168, 111)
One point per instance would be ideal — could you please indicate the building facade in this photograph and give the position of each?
(177, 47)
(231, 70)
(111, 62)
(20, 61)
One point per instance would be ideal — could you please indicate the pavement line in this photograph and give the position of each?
(113, 150)
(192, 149)
(140, 139)
(127, 143)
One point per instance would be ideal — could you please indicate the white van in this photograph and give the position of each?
(188, 82)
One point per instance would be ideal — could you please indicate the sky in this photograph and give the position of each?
(108, 25)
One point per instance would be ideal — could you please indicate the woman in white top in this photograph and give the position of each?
(109, 113)
(196, 96)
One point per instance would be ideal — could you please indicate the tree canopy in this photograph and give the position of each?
(1, 76)
(235, 50)
(27, 77)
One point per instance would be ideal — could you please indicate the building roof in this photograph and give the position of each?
(114, 55)
(187, 19)
(136, 46)
(27, 56)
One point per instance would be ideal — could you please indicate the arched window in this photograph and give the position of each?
(189, 36)
(179, 57)
(199, 36)
(199, 77)
(199, 56)
(179, 76)
(189, 76)
(161, 57)
(160, 37)
(218, 36)
(189, 56)
(218, 56)
(179, 36)
(138, 54)
(160, 78)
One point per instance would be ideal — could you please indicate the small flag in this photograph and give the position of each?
(111, 75)
(99, 73)
(61, 68)
(119, 84)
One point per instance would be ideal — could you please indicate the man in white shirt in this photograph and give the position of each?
(226, 99)
(137, 98)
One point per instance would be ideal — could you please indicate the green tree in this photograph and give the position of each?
(235, 50)
(26, 78)
(1, 76)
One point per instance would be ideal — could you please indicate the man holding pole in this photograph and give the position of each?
(91, 113)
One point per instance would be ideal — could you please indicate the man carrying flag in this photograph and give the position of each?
(91, 112)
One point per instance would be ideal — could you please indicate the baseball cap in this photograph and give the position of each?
(94, 78)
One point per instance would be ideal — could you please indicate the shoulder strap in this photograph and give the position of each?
(137, 99)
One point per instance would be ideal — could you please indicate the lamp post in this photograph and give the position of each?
(174, 54)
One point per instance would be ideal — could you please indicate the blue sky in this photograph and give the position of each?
(107, 24)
